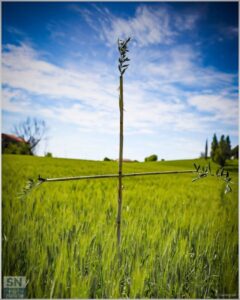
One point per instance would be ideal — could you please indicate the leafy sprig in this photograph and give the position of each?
(221, 173)
(123, 49)
(225, 176)
(30, 185)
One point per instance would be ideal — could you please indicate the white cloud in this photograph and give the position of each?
(88, 96)
(221, 107)
(24, 69)
(228, 32)
(186, 21)
(179, 64)
(14, 100)
(149, 26)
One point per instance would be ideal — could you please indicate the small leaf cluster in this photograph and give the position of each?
(123, 49)
(224, 175)
(204, 171)
(30, 185)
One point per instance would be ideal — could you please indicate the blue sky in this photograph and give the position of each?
(59, 63)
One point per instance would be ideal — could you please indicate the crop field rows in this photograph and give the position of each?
(179, 239)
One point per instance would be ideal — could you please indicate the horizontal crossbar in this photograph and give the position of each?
(114, 175)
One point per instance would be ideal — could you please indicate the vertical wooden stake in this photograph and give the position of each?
(120, 164)
(122, 47)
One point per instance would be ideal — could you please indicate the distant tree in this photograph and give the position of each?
(152, 157)
(221, 153)
(48, 154)
(206, 150)
(223, 146)
(106, 159)
(228, 147)
(32, 131)
(219, 157)
(214, 146)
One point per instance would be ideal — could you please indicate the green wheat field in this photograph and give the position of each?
(179, 238)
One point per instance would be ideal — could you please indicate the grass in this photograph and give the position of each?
(179, 239)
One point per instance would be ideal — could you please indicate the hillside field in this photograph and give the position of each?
(179, 238)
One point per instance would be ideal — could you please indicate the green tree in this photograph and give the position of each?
(206, 150)
(152, 157)
(223, 146)
(221, 153)
(214, 146)
(219, 157)
(228, 146)
(106, 159)
(48, 154)
(18, 148)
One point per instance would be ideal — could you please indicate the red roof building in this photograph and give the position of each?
(8, 139)
(12, 138)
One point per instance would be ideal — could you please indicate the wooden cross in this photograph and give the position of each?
(202, 172)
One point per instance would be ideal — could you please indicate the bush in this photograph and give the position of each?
(152, 157)
(234, 152)
(48, 154)
(106, 159)
(18, 148)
